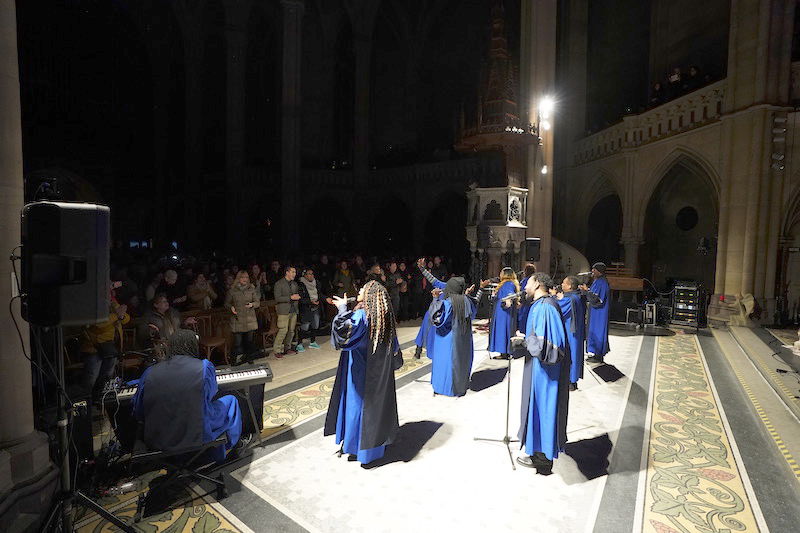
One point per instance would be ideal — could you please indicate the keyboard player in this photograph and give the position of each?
(177, 404)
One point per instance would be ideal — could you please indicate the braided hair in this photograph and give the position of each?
(380, 315)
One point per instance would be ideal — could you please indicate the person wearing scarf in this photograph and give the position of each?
(450, 343)
(362, 412)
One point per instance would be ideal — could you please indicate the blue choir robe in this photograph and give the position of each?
(176, 402)
(524, 308)
(504, 320)
(452, 347)
(545, 386)
(597, 335)
(426, 330)
(362, 412)
(573, 310)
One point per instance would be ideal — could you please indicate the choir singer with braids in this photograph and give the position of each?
(363, 408)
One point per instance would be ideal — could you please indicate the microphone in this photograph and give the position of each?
(514, 296)
(584, 273)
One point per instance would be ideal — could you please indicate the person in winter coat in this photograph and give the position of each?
(242, 300)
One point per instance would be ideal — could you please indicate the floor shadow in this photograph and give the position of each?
(483, 379)
(591, 455)
(608, 373)
(410, 439)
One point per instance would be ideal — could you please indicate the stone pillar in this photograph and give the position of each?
(193, 52)
(537, 68)
(162, 74)
(573, 50)
(26, 474)
(236, 39)
(290, 121)
(632, 245)
(759, 60)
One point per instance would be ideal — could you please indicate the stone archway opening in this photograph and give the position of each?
(604, 230)
(681, 228)
(392, 232)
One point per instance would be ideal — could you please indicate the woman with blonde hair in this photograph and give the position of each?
(504, 318)
(242, 299)
(363, 408)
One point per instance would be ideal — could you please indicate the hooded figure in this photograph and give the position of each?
(450, 344)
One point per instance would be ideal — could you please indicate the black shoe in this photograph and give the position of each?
(526, 461)
(238, 360)
(595, 359)
(418, 352)
(573, 387)
(244, 442)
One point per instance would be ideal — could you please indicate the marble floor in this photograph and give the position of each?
(676, 433)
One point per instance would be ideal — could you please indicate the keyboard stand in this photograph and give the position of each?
(253, 418)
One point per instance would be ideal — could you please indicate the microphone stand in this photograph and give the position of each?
(507, 440)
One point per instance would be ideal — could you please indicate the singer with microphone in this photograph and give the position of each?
(504, 318)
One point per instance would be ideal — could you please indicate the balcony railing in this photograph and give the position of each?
(685, 113)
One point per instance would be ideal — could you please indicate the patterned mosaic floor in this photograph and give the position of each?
(693, 481)
(285, 412)
(787, 336)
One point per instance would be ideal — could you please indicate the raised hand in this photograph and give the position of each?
(421, 262)
(339, 301)
(485, 283)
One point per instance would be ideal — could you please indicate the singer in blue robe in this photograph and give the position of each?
(545, 393)
(573, 310)
(599, 313)
(176, 401)
(504, 318)
(426, 331)
(524, 303)
(363, 407)
(452, 351)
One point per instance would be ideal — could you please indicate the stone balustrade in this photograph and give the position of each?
(687, 112)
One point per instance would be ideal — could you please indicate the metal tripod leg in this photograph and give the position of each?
(507, 440)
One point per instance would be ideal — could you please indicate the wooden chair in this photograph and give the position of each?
(210, 340)
(271, 327)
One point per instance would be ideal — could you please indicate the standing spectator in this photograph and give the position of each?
(359, 270)
(176, 292)
(324, 273)
(273, 275)
(258, 279)
(343, 280)
(402, 269)
(692, 80)
(152, 288)
(657, 96)
(375, 273)
(242, 300)
(100, 354)
(393, 282)
(675, 84)
(311, 296)
(439, 270)
(200, 294)
(287, 294)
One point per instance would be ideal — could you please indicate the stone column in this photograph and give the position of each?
(759, 60)
(26, 473)
(291, 120)
(193, 51)
(537, 67)
(236, 38)
(632, 245)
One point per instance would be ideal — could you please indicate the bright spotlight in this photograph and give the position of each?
(545, 125)
(544, 169)
(546, 106)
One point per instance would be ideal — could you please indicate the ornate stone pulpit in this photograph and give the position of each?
(496, 227)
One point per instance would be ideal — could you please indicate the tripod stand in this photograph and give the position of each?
(507, 440)
(68, 495)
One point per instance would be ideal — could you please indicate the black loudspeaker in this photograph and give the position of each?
(532, 249)
(65, 263)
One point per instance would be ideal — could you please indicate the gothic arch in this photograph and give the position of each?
(680, 156)
(602, 185)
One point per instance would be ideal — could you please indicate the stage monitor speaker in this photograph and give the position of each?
(532, 249)
(65, 263)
